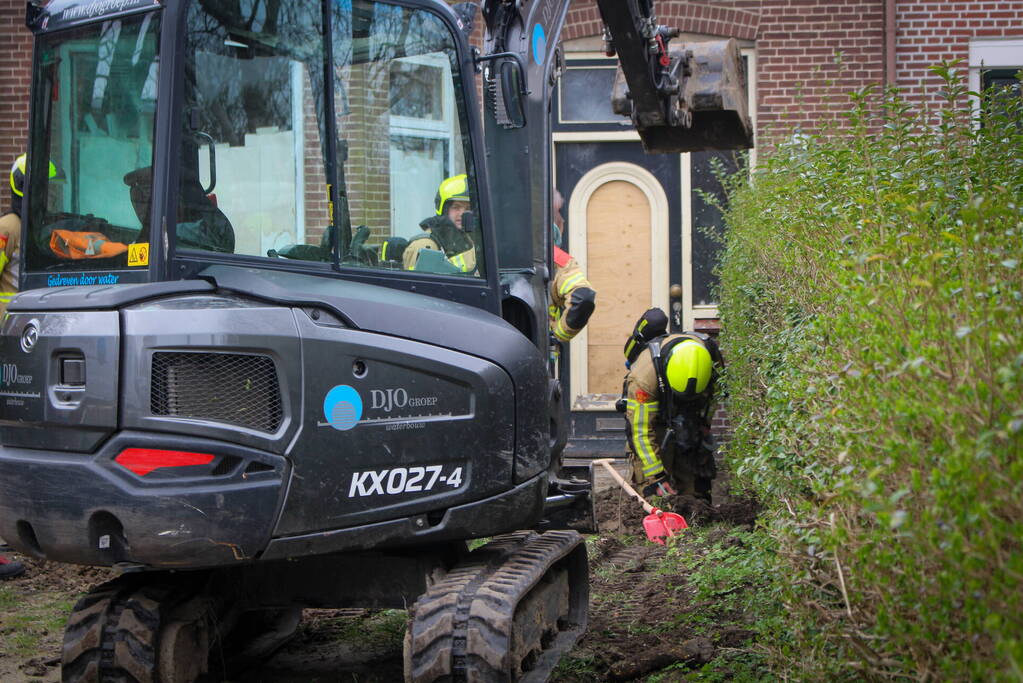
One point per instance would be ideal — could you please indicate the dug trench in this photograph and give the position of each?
(649, 620)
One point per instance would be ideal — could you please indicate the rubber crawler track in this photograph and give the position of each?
(112, 633)
(463, 628)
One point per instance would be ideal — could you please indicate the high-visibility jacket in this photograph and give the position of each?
(10, 257)
(646, 416)
(572, 297)
(465, 261)
(440, 234)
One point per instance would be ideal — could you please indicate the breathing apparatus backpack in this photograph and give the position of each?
(651, 325)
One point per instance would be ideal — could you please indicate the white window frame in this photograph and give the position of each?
(991, 53)
(433, 129)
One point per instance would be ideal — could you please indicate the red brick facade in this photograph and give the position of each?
(810, 52)
(929, 32)
(15, 65)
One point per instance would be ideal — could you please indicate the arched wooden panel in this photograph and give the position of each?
(618, 254)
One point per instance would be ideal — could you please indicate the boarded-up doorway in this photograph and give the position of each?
(618, 212)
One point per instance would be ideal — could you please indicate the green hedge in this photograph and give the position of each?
(872, 304)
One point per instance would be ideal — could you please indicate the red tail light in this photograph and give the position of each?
(142, 461)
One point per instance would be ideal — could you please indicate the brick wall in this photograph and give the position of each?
(810, 53)
(15, 62)
(367, 130)
(796, 41)
(317, 211)
(930, 31)
(801, 79)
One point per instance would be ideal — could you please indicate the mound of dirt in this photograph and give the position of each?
(644, 615)
(73, 579)
(641, 616)
(618, 512)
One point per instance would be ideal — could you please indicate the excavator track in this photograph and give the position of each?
(507, 613)
(131, 629)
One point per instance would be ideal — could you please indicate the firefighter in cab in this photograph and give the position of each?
(448, 234)
(667, 398)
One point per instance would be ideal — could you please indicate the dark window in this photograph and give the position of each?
(708, 168)
(1000, 86)
(586, 95)
(417, 90)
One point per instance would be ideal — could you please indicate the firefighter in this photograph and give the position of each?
(10, 239)
(10, 234)
(572, 297)
(667, 399)
(10, 231)
(448, 231)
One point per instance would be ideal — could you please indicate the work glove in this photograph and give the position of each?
(660, 486)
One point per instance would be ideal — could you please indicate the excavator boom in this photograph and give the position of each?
(684, 98)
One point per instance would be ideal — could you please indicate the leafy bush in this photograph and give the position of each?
(872, 301)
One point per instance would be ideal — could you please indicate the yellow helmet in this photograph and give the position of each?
(18, 175)
(453, 189)
(689, 368)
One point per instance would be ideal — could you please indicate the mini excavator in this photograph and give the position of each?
(215, 381)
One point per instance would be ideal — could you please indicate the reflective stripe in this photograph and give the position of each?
(641, 432)
(570, 283)
(383, 251)
(5, 297)
(562, 332)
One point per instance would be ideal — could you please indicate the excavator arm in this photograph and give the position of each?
(681, 99)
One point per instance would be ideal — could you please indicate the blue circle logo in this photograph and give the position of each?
(539, 44)
(342, 407)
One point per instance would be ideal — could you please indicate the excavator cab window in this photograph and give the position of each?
(259, 175)
(251, 148)
(96, 90)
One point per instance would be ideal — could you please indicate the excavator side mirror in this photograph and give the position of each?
(505, 87)
(513, 93)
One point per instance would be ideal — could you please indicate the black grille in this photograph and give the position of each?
(227, 387)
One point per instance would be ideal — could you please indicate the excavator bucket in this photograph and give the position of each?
(707, 107)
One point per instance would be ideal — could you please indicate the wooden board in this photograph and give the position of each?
(618, 266)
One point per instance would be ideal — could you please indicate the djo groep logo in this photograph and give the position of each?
(342, 407)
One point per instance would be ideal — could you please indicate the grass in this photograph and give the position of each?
(383, 628)
(715, 576)
(24, 624)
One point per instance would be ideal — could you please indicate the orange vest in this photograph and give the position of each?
(75, 245)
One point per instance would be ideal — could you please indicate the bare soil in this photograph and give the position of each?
(636, 626)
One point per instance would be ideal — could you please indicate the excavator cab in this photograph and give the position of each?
(203, 132)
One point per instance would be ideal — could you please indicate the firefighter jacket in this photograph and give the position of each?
(440, 234)
(685, 454)
(10, 250)
(571, 295)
